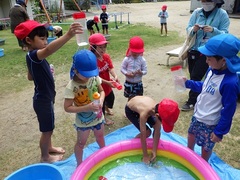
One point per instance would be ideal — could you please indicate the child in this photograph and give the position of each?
(134, 67)
(104, 19)
(217, 101)
(79, 99)
(163, 19)
(90, 24)
(34, 35)
(98, 45)
(144, 113)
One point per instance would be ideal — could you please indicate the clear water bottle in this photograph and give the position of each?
(82, 39)
(52, 70)
(96, 100)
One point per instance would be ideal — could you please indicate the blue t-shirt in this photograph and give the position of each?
(42, 76)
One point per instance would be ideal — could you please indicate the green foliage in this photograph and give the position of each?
(13, 70)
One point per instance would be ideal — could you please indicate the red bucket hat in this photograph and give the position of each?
(25, 28)
(97, 39)
(136, 45)
(168, 111)
(164, 7)
(96, 19)
(103, 7)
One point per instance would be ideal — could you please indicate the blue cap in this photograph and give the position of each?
(225, 45)
(85, 62)
(21, 2)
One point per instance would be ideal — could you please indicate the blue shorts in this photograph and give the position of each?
(202, 133)
(45, 115)
(97, 127)
(133, 89)
(134, 118)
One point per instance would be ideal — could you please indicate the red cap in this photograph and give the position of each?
(168, 111)
(96, 19)
(103, 7)
(136, 45)
(25, 28)
(79, 15)
(97, 39)
(164, 7)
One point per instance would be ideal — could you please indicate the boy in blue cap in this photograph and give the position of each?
(79, 92)
(217, 101)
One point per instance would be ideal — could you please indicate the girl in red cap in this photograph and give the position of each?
(163, 14)
(134, 66)
(98, 45)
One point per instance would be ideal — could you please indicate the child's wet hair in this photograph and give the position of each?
(156, 108)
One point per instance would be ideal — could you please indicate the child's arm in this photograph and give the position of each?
(114, 75)
(71, 108)
(29, 76)
(102, 94)
(75, 28)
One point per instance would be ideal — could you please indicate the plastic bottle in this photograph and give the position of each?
(96, 100)
(82, 39)
(102, 178)
(117, 85)
(178, 81)
(52, 69)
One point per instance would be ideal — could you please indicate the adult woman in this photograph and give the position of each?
(206, 22)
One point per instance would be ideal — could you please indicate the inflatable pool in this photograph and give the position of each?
(188, 159)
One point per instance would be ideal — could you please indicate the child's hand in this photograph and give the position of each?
(146, 159)
(138, 72)
(94, 107)
(75, 28)
(130, 74)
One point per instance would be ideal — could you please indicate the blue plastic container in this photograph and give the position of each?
(40, 171)
(50, 39)
(1, 52)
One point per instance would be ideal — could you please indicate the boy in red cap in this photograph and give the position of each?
(134, 66)
(163, 19)
(98, 45)
(34, 36)
(104, 18)
(92, 22)
(145, 113)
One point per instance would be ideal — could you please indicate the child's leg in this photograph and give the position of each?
(166, 28)
(107, 29)
(82, 137)
(99, 135)
(161, 28)
(206, 154)
(46, 147)
(191, 141)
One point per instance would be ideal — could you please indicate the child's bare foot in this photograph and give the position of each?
(57, 150)
(108, 122)
(52, 159)
(108, 111)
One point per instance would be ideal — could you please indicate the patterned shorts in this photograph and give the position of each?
(97, 127)
(202, 134)
(133, 89)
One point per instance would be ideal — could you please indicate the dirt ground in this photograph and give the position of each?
(18, 125)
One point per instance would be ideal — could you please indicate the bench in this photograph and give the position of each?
(175, 53)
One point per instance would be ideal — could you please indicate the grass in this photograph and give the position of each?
(13, 66)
